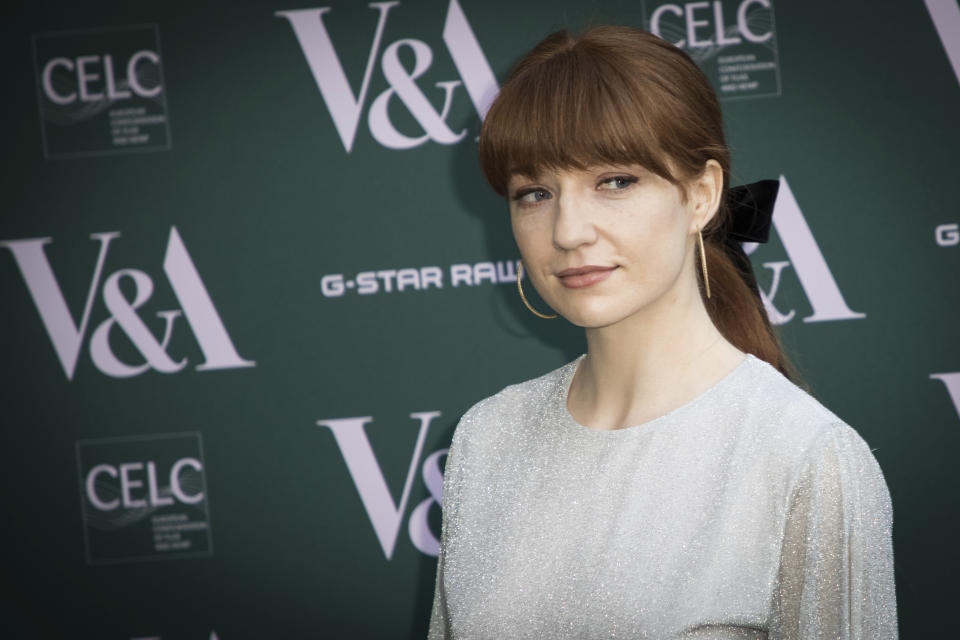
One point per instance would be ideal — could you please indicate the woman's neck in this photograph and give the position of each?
(649, 364)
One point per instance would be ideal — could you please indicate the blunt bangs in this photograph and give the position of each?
(576, 109)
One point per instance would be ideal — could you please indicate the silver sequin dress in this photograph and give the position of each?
(750, 512)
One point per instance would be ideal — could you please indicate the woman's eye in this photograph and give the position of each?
(617, 182)
(531, 195)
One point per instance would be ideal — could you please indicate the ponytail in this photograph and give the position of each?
(735, 305)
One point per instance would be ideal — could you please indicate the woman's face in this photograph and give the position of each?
(604, 244)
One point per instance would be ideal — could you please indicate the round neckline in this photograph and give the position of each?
(643, 427)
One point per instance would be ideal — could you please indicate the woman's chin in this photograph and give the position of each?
(592, 317)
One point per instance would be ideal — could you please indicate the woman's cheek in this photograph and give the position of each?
(531, 236)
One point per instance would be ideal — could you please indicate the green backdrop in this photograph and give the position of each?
(251, 277)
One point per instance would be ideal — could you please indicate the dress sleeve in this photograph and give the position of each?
(439, 616)
(439, 623)
(836, 567)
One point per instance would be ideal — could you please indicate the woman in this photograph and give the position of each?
(673, 482)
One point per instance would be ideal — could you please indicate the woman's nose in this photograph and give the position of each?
(572, 224)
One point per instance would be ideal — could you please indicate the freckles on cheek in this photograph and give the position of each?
(517, 231)
(520, 224)
(521, 236)
(529, 235)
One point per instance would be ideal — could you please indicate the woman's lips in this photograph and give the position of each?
(580, 277)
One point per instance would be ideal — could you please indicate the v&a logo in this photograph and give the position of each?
(385, 515)
(67, 338)
(952, 382)
(346, 107)
(946, 19)
(807, 261)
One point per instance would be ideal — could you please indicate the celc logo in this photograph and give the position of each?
(101, 91)
(144, 497)
(947, 235)
(734, 41)
(67, 338)
(807, 261)
(130, 476)
(346, 108)
(385, 515)
(96, 78)
(698, 16)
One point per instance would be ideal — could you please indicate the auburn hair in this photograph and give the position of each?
(619, 95)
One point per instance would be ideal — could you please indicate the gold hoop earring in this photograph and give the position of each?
(703, 262)
(524, 298)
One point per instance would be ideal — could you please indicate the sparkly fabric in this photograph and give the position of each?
(750, 512)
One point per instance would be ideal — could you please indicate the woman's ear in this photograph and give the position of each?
(706, 191)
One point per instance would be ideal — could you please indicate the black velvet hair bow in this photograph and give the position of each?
(751, 211)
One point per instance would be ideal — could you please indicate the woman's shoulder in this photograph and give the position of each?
(770, 389)
(522, 396)
(513, 404)
(830, 464)
(788, 418)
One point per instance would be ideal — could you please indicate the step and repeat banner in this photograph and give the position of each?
(251, 278)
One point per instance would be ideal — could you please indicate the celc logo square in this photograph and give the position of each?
(733, 41)
(144, 497)
(101, 91)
